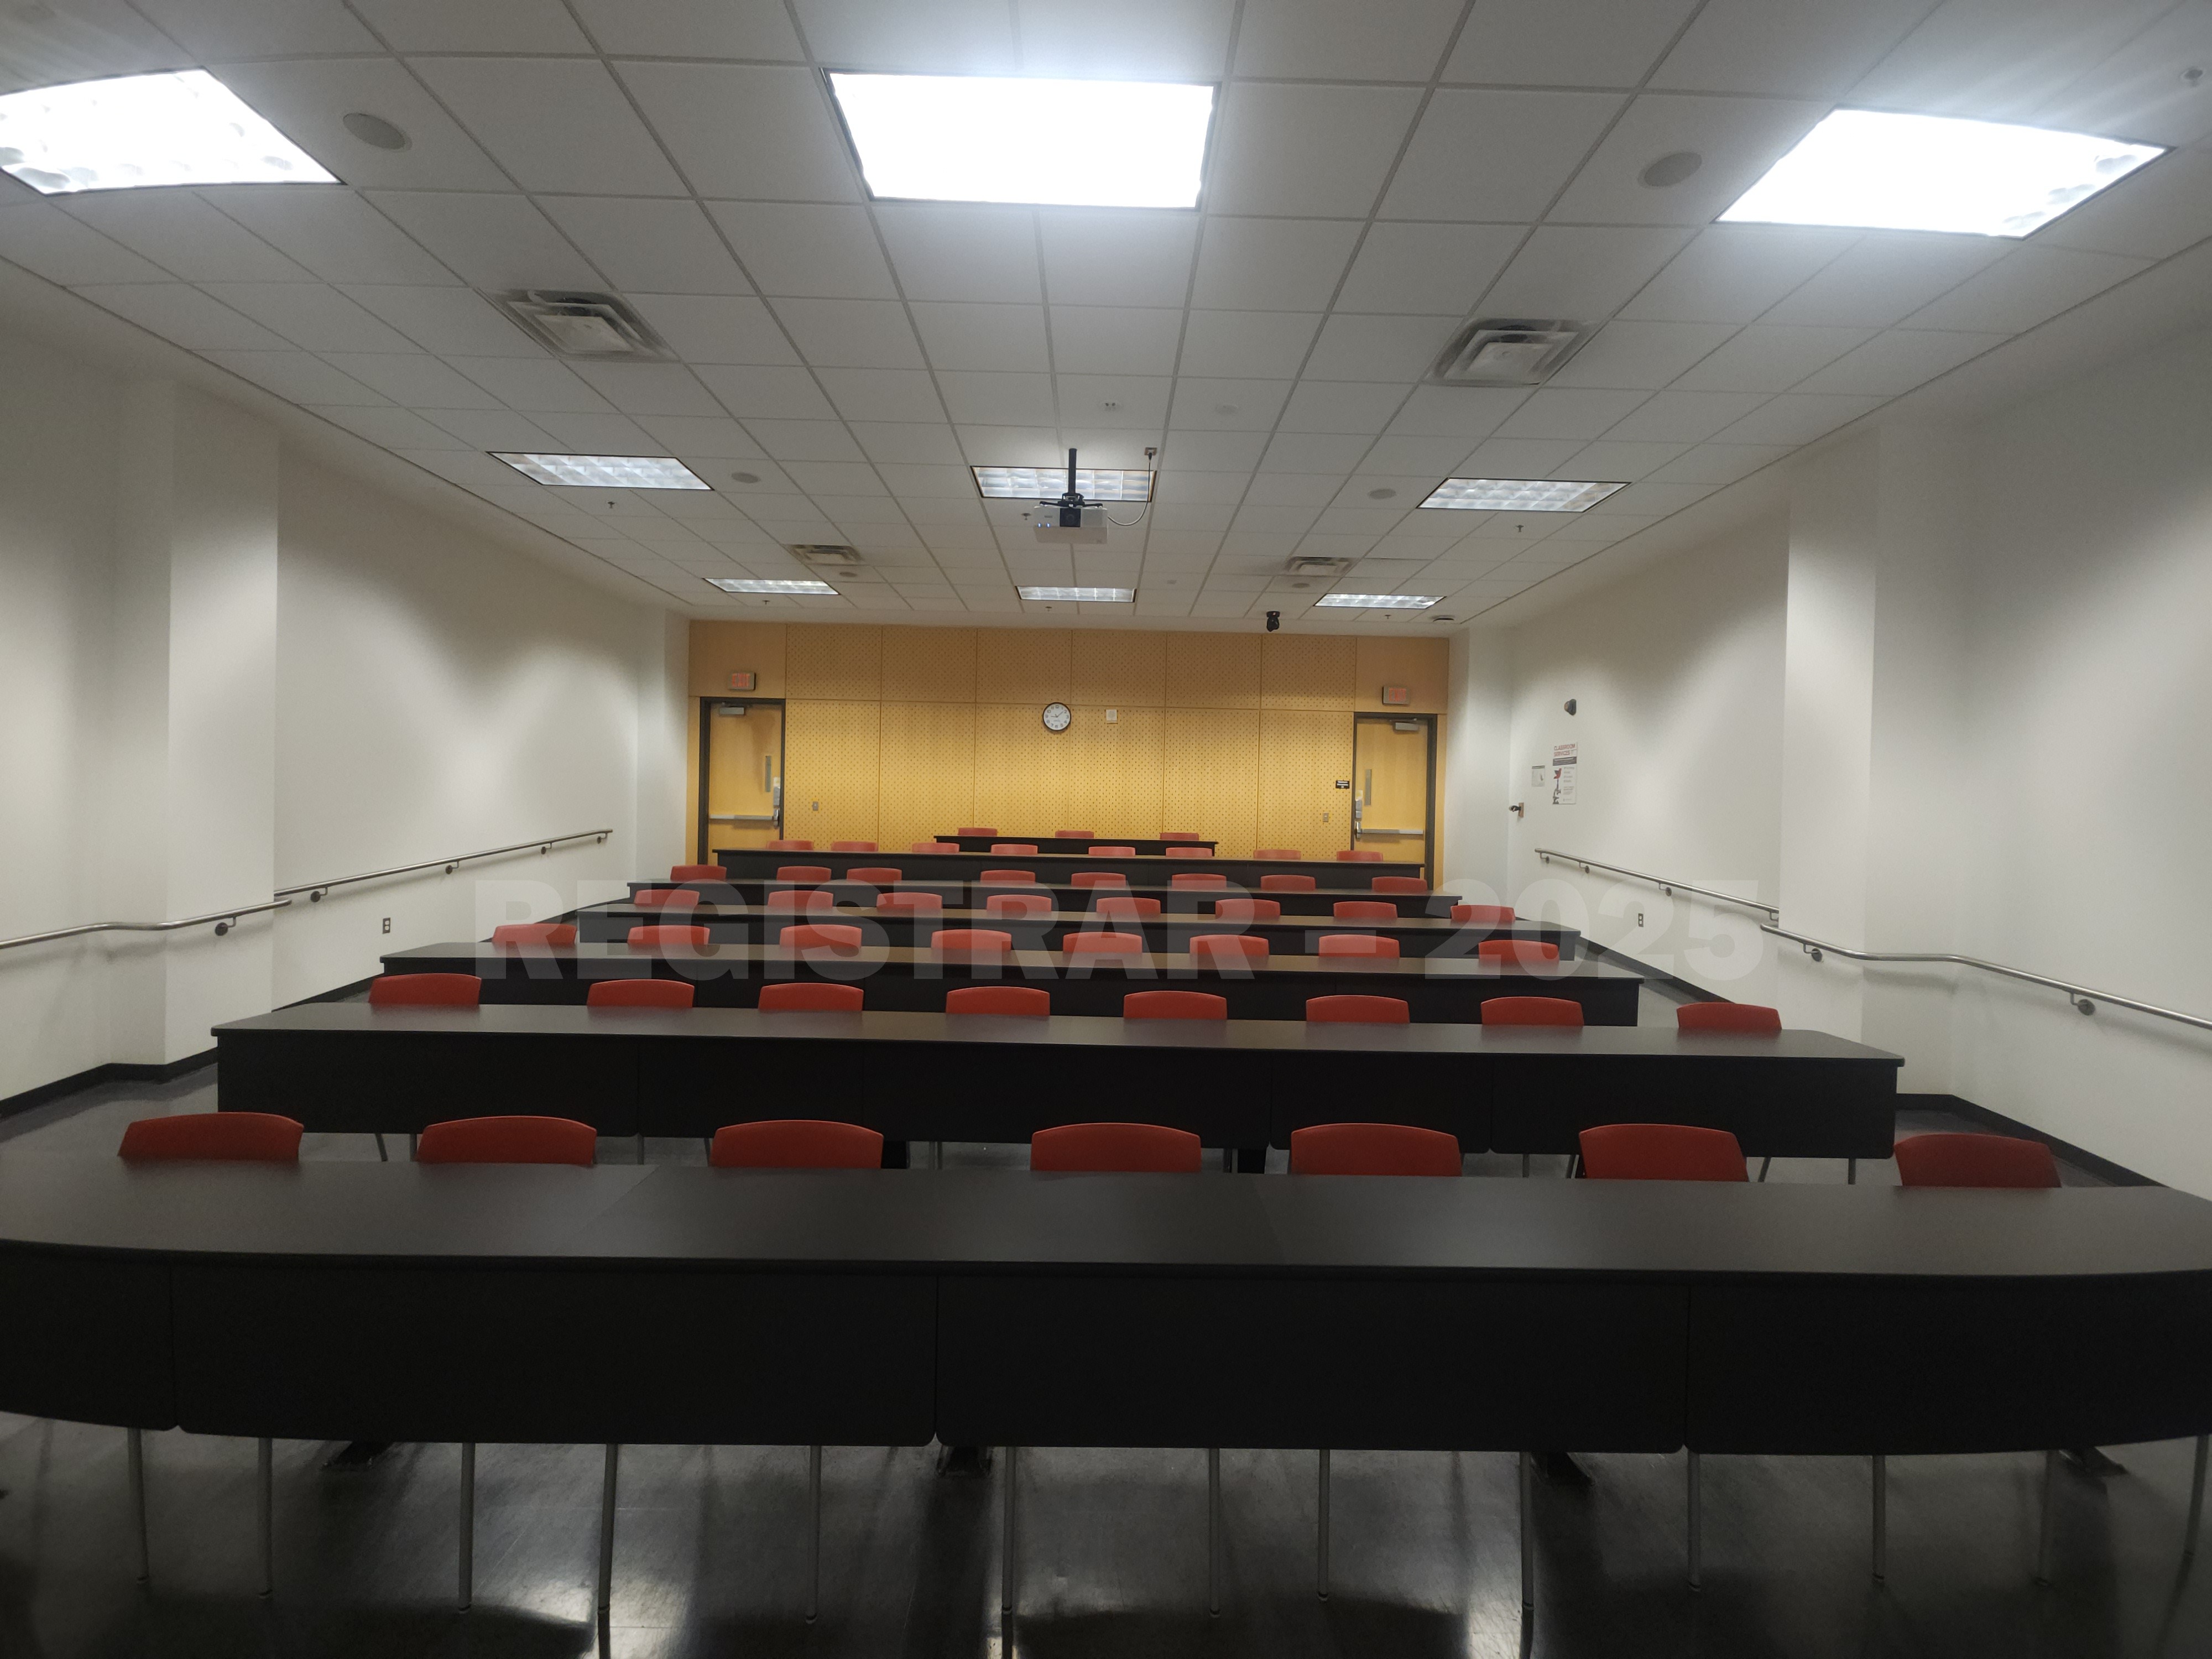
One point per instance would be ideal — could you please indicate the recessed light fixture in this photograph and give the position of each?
(1035, 484)
(1520, 494)
(606, 472)
(1877, 171)
(1671, 169)
(1378, 601)
(1084, 595)
(989, 138)
(1382, 495)
(375, 130)
(132, 132)
(767, 585)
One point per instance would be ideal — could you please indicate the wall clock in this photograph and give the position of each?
(1056, 717)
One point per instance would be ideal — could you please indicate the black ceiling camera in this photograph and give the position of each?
(1274, 620)
(1570, 705)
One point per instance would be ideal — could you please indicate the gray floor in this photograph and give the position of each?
(711, 1540)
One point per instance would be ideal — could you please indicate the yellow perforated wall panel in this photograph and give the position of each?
(1113, 772)
(1210, 776)
(1023, 666)
(1302, 753)
(846, 663)
(1422, 666)
(1123, 670)
(1214, 670)
(830, 776)
(929, 665)
(1021, 784)
(1303, 671)
(928, 770)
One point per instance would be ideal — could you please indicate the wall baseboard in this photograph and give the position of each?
(2103, 1168)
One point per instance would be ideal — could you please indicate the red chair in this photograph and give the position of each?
(667, 899)
(1187, 852)
(1004, 848)
(1398, 884)
(820, 936)
(1746, 1018)
(1484, 915)
(920, 904)
(970, 941)
(1246, 947)
(1661, 1151)
(852, 846)
(665, 935)
(1017, 904)
(1288, 854)
(801, 996)
(534, 932)
(1356, 945)
(1109, 852)
(698, 872)
(787, 901)
(1181, 835)
(974, 830)
(1363, 910)
(875, 876)
(641, 993)
(1075, 835)
(936, 846)
(1247, 909)
(1190, 878)
(1358, 855)
(1116, 944)
(1286, 883)
(1519, 950)
(1115, 1149)
(795, 1143)
(803, 872)
(1098, 878)
(1532, 1011)
(1009, 878)
(790, 846)
(1359, 1011)
(1372, 1149)
(1126, 905)
(427, 990)
(1969, 1160)
(1025, 999)
(1173, 1005)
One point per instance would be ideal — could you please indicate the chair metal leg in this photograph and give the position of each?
(382, 1156)
(266, 1459)
(1007, 1543)
(2195, 1498)
(1320, 1533)
(1765, 1165)
(1697, 1524)
(468, 1561)
(1213, 1531)
(2050, 1518)
(135, 1441)
(1881, 1517)
(814, 1531)
(1528, 1544)
(607, 1530)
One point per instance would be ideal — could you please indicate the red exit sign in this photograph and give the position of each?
(743, 679)
(1396, 697)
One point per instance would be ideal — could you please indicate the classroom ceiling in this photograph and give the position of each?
(1380, 172)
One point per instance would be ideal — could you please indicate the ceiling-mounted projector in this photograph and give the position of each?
(1068, 517)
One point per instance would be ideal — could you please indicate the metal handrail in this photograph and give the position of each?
(1547, 853)
(224, 921)
(2084, 997)
(315, 890)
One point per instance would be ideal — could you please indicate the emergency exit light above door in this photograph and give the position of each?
(743, 679)
(1396, 697)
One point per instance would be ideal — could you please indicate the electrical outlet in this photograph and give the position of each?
(387, 924)
(1639, 918)
(818, 806)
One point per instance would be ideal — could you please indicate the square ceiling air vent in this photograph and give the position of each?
(1508, 351)
(1314, 564)
(595, 327)
(826, 556)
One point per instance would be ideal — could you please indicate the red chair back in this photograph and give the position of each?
(975, 830)
(1532, 1011)
(1372, 1149)
(508, 1140)
(970, 941)
(661, 935)
(1117, 944)
(803, 872)
(1517, 950)
(698, 872)
(800, 996)
(792, 899)
(1745, 1017)
(427, 990)
(1661, 1151)
(1013, 847)
(1009, 878)
(1289, 855)
(227, 1136)
(641, 993)
(534, 932)
(795, 1143)
(1247, 946)
(1027, 1000)
(1286, 883)
(1358, 855)
(1359, 1011)
(1247, 909)
(1965, 1160)
(1017, 904)
(923, 904)
(1098, 878)
(1125, 904)
(875, 876)
(852, 847)
(1187, 852)
(1363, 910)
(1173, 1005)
(667, 899)
(1111, 851)
(936, 846)
(820, 936)
(1484, 915)
(1075, 835)
(790, 846)
(1198, 878)
(1114, 1148)
(1181, 835)
(1356, 945)
(1398, 884)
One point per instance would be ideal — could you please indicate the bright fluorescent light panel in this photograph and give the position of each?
(1378, 601)
(1871, 169)
(135, 131)
(1087, 595)
(1520, 494)
(985, 138)
(606, 472)
(1038, 483)
(764, 585)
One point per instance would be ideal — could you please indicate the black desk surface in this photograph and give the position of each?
(753, 861)
(1147, 845)
(1320, 900)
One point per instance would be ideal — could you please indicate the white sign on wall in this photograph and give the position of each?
(1564, 760)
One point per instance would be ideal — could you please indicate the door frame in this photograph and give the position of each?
(1429, 822)
(706, 707)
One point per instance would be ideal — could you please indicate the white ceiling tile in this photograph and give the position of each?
(1012, 446)
(883, 394)
(177, 230)
(649, 388)
(1565, 43)
(1732, 273)
(942, 251)
(448, 321)
(1248, 344)
(214, 29)
(1784, 48)
(988, 337)
(417, 381)
(493, 242)
(1456, 411)
(1582, 273)
(716, 329)
(1767, 358)
(706, 435)
(1648, 355)
(1550, 413)
(1900, 360)
(1999, 60)
(823, 252)
(1886, 275)
(307, 99)
(927, 444)
(1795, 418)
(1305, 149)
(788, 393)
(1719, 464)
(597, 434)
(1495, 155)
(82, 40)
(1434, 270)
(183, 316)
(2031, 286)
(311, 316)
(1229, 405)
(1397, 348)
(1214, 450)
(1434, 459)
(953, 36)
(331, 232)
(1739, 137)
(1622, 463)
(393, 428)
(690, 28)
(831, 483)
(2135, 93)
(943, 483)
(1684, 416)
(1647, 501)
(2153, 213)
(851, 333)
(1342, 406)
(1113, 402)
(648, 247)
(297, 377)
(1213, 488)
(42, 238)
(1272, 264)
(1096, 258)
(1327, 40)
(1334, 452)
(1107, 338)
(495, 429)
(537, 385)
(480, 26)
(554, 124)
(1274, 521)
(463, 467)
(805, 441)
(1150, 39)
(746, 131)
(979, 398)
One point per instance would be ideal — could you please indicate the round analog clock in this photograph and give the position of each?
(1056, 717)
